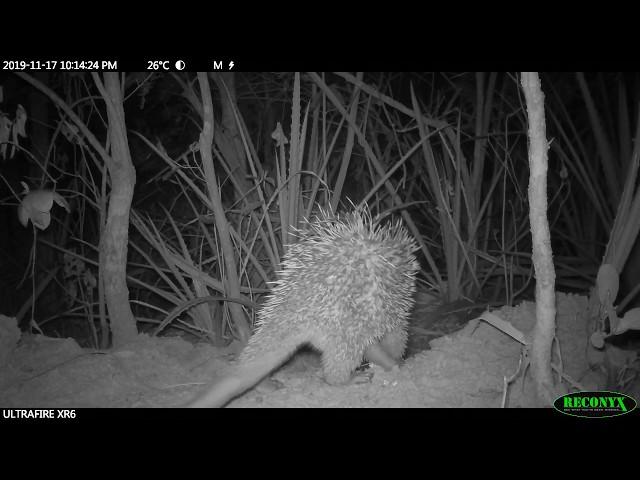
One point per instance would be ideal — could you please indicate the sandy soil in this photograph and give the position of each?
(462, 368)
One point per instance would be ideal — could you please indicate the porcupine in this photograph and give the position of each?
(346, 288)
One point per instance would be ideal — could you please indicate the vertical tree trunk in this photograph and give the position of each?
(545, 328)
(115, 238)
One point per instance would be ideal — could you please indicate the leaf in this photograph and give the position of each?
(597, 340)
(279, 136)
(5, 133)
(59, 199)
(40, 220)
(36, 205)
(21, 120)
(608, 283)
(14, 140)
(504, 326)
(630, 321)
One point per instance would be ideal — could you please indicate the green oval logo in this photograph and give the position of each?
(595, 404)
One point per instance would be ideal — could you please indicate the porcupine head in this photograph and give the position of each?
(346, 284)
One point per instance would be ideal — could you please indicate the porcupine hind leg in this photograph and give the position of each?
(389, 350)
(376, 353)
(339, 362)
(395, 341)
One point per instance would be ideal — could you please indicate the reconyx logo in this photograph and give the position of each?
(595, 404)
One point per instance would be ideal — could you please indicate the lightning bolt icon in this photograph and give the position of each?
(231, 64)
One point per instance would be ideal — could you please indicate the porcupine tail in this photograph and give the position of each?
(254, 364)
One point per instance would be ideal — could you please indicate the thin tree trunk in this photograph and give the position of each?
(545, 328)
(115, 238)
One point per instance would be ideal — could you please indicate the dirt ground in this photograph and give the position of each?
(451, 362)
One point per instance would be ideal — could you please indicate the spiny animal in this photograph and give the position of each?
(346, 288)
